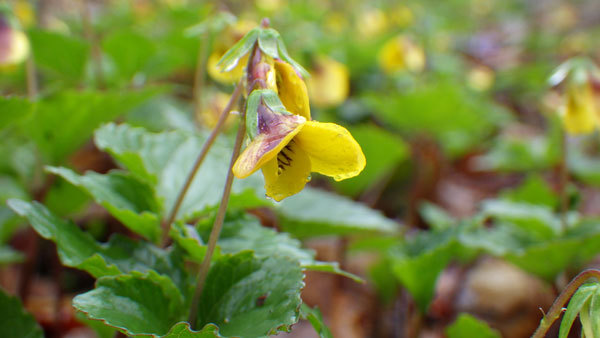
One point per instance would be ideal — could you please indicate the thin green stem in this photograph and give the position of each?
(30, 73)
(218, 224)
(557, 307)
(166, 225)
(563, 182)
(96, 52)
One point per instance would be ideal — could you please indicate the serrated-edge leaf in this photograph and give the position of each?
(309, 214)
(231, 58)
(145, 223)
(270, 295)
(183, 330)
(79, 250)
(112, 287)
(246, 233)
(577, 301)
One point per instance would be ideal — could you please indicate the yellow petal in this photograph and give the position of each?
(332, 150)
(292, 90)
(229, 77)
(275, 132)
(287, 174)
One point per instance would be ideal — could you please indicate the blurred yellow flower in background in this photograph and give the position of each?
(14, 45)
(371, 23)
(481, 78)
(24, 12)
(401, 16)
(579, 113)
(401, 53)
(329, 83)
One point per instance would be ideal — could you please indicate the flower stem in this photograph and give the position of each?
(218, 224)
(166, 225)
(30, 73)
(557, 307)
(563, 182)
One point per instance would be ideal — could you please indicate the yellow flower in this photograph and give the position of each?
(24, 12)
(480, 78)
(14, 45)
(287, 145)
(400, 53)
(371, 22)
(329, 84)
(579, 114)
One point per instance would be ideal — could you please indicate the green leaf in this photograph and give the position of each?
(247, 296)
(283, 53)
(63, 56)
(512, 152)
(315, 318)
(14, 321)
(165, 159)
(435, 216)
(383, 151)
(469, 326)
(534, 219)
(183, 330)
(62, 124)
(129, 51)
(231, 58)
(331, 267)
(243, 232)
(79, 250)
(581, 296)
(418, 265)
(131, 201)
(445, 110)
(534, 190)
(314, 212)
(594, 311)
(134, 303)
(13, 109)
(267, 41)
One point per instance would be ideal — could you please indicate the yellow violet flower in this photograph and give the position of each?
(480, 78)
(329, 83)
(371, 22)
(14, 45)
(579, 113)
(287, 145)
(401, 53)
